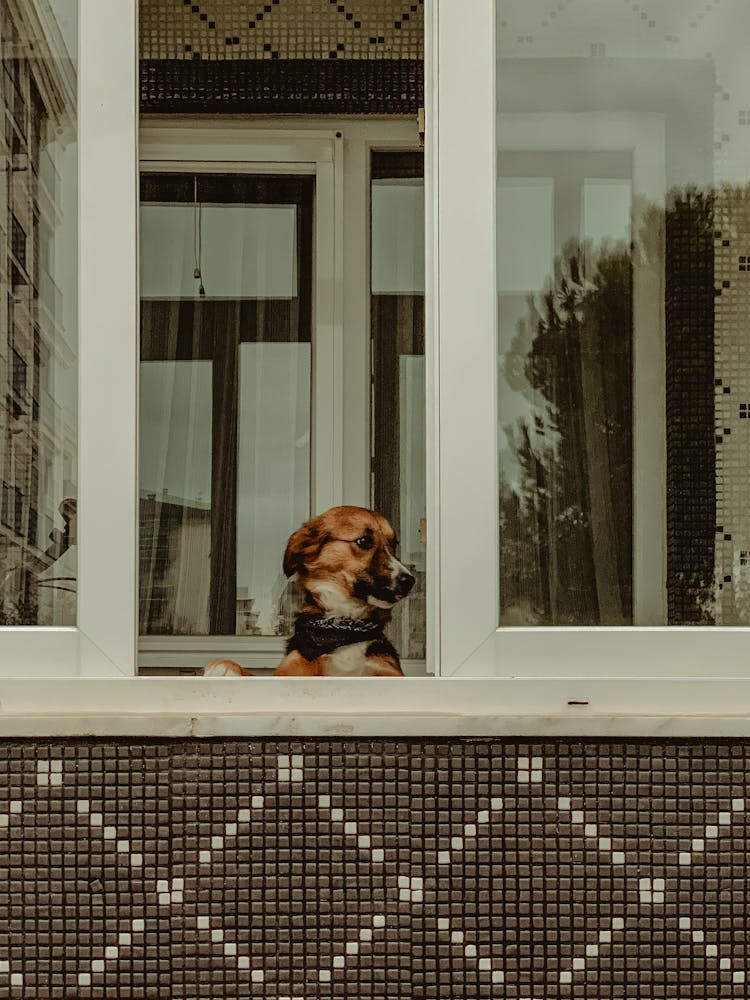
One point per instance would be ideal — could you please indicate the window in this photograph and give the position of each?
(66, 319)
(621, 343)
(18, 373)
(226, 315)
(31, 568)
(291, 408)
(18, 238)
(251, 411)
(615, 454)
(580, 515)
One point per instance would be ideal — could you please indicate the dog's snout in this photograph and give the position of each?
(404, 582)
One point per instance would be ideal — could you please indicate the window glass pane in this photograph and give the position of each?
(38, 314)
(525, 203)
(175, 490)
(397, 326)
(225, 399)
(398, 236)
(623, 293)
(248, 252)
(273, 487)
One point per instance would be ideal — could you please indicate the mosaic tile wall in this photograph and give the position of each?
(281, 29)
(732, 394)
(690, 322)
(283, 56)
(419, 869)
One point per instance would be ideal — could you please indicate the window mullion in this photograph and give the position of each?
(107, 337)
(465, 539)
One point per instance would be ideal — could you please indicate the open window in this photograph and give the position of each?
(282, 331)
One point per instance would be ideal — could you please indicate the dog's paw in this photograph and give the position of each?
(224, 668)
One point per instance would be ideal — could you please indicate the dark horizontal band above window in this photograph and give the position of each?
(283, 86)
(397, 165)
(226, 189)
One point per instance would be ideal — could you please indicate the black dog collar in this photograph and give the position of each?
(315, 635)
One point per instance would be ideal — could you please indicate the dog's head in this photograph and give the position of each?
(346, 561)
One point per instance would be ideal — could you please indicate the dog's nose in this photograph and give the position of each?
(404, 583)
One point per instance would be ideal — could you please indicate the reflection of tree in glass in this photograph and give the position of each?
(566, 481)
(566, 558)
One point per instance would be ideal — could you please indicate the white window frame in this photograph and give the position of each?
(103, 641)
(464, 480)
(535, 682)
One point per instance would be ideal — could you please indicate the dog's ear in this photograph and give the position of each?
(304, 544)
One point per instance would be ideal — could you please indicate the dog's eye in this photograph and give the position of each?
(365, 542)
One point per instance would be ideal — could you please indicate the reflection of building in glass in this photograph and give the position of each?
(175, 554)
(247, 617)
(37, 324)
(287, 597)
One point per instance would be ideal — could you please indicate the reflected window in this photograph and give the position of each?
(623, 360)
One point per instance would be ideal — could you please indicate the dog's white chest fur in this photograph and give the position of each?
(349, 661)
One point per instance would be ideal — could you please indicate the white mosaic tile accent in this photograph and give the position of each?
(530, 770)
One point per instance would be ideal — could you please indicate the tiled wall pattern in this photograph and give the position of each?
(284, 56)
(281, 29)
(690, 320)
(419, 869)
(732, 394)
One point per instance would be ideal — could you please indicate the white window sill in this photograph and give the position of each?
(414, 707)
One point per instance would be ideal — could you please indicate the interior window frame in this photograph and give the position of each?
(337, 152)
(221, 359)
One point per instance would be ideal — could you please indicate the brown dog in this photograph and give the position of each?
(346, 562)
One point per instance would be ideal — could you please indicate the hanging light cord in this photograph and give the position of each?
(197, 237)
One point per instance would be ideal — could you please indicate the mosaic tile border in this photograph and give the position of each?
(290, 57)
(281, 29)
(289, 86)
(363, 869)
